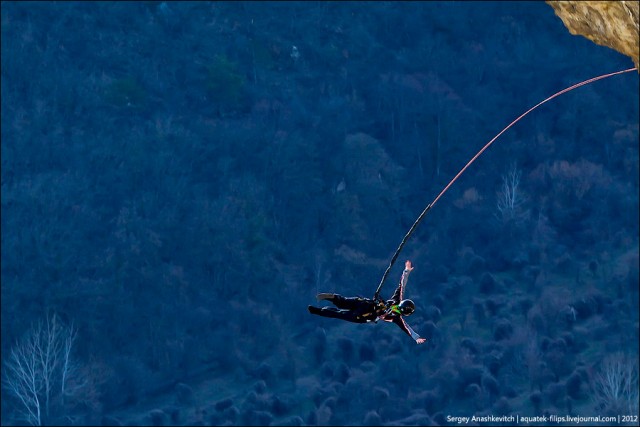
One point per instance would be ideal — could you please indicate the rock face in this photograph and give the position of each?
(614, 24)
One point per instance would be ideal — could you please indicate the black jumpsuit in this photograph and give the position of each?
(364, 310)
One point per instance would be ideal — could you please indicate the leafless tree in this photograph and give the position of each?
(615, 385)
(39, 368)
(511, 198)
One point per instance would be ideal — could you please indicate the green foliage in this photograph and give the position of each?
(263, 55)
(126, 92)
(225, 85)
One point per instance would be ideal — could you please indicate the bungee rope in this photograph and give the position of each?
(473, 159)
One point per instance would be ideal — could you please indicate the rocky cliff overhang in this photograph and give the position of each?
(614, 24)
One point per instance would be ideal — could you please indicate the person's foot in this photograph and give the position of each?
(314, 310)
(325, 296)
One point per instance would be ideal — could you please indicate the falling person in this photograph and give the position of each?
(365, 310)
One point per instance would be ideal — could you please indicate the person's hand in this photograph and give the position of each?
(420, 340)
(407, 265)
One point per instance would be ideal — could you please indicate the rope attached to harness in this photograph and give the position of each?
(473, 159)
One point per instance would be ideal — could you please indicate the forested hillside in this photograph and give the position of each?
(179, 180)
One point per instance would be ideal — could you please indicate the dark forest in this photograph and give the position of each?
(179, 181)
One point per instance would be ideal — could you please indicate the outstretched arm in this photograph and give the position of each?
(398, 295)
(405, 327)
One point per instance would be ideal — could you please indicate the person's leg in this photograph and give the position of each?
(349, 303)
(352, 303)
(325, 296)
(335, 313)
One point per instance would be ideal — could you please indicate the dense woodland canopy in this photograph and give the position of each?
(179, 180)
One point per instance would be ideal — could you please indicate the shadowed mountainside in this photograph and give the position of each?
(179, 180)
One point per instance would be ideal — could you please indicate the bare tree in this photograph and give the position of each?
(615, 385)
(511, 198)
(38, 369)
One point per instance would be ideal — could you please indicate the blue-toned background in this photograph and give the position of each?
(179, 180)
